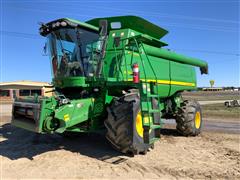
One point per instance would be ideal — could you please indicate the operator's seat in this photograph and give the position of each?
(63, 65)
(82, 60)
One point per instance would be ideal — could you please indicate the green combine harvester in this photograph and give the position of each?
(113, 75)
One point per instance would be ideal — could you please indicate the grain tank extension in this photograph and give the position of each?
(113, 75)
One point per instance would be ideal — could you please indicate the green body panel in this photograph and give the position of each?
(163, 76)
(133, 22)
(74, 113)
(70, 82)
(166, 54)
(167, 72)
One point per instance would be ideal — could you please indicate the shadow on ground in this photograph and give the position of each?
(20, 143)
(170, 132)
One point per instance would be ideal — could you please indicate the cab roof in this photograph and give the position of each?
(51, 26)
(133, 22)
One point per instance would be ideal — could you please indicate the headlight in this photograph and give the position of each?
(57, 24)
(63, 23)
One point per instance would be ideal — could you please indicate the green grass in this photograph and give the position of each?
(211, 96)
(216, 110)
(219, 110)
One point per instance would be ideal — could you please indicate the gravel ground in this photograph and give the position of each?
(27, 155)
(214, 154)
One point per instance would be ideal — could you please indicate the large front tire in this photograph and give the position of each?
(189, 118)
(124, 125)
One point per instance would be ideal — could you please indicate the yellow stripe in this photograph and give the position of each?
(181, 83)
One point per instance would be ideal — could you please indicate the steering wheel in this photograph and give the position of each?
(66, 51)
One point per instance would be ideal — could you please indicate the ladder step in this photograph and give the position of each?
(152, 140)
(155, 126)
(151, 110)
(152, 126)
(154, 110)
(152, 95)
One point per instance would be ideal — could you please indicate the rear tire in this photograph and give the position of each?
(189, 118)
(227, 104)
(121, 126)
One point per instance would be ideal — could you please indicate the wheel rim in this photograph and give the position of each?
(139, 126)
(197, 120)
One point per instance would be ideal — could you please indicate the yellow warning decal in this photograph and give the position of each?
(147, 119)
(169, 82)
(133, 53)
(66, 117)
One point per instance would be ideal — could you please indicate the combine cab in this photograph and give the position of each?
(113, 74)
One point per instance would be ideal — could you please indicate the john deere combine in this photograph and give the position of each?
(113, 74)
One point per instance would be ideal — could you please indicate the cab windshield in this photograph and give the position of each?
(71, 52)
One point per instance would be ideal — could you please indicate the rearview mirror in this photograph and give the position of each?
(45, 50)
(103, 25)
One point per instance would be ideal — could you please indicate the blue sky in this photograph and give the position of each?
(205, 29)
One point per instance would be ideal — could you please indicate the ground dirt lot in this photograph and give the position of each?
(215, 154)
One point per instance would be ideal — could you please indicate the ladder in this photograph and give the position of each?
(151, 111)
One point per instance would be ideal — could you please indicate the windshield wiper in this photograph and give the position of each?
(80, 49)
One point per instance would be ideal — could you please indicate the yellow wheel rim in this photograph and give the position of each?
(198, 120)
(139, 126)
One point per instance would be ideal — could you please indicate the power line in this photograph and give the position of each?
(49, 12)
(165, 15)
(20, 34)
(210, 28)
(155, 14)
(207, 51)
(35, 36)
